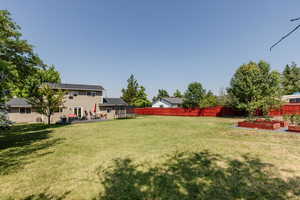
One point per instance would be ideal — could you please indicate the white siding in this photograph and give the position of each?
(286, 98)
(161, 104)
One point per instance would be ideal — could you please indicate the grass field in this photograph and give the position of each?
(64, 161)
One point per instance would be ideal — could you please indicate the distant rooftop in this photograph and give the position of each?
(18, 102)
(113, 102)
(173, 100)
(66, 86)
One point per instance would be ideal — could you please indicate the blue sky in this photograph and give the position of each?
(164, 43)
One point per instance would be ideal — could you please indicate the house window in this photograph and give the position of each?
(295, 100)
(89, 93)
(99, 93)
(58, 110)
(25, 110)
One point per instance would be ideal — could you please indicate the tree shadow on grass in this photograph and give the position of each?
(20, 135)
(21, 143)
(44, 196)
(191, 176)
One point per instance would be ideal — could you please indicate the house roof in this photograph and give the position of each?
(113, 102)
(66, 86)
(173, 100)
(18, 102)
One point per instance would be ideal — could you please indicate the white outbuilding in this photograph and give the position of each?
(168, 102)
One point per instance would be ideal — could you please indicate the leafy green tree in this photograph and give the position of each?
(129, 94)
(47, 100)
(15, 54)
(6, 73)
(209, 100)
(141, 100)
(193, 95)
(255, 87)
(161, 94)
(177, 94)
(291, 79)
(33, 82)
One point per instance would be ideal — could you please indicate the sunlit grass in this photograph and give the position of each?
(61, 160)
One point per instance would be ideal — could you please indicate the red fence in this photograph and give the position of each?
(286, 109)
(216, 111)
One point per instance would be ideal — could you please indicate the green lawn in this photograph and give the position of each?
(65, 161)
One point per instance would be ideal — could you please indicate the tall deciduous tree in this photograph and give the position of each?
(47, 101)
(177, 94)
(15, 54)
(33, 82)
(193, 95)
(255, 87)
(6, 73)
(161, 94)
(291, 79)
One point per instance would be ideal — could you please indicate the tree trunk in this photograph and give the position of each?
(49, 119)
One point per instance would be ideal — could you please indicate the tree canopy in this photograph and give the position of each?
(255, 87)
(16, 55)
(193, 95)
(291, 79)
(177, 94)
(161, 94)
(47, 100)
(129, 94)
(209, 100)
(134, 94)
(141, 99)
(34, 81)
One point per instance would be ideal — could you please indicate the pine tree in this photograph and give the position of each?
(177, 94)
(161, 94)
(129, 94)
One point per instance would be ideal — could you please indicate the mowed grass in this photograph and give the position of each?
(64, 160)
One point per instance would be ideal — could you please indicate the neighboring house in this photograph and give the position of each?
(294, 98)
(168, 102)
(19, 110)
(81, 101)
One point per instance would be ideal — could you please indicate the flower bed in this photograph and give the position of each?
(260, 125)
(294, 128)
(282, 123)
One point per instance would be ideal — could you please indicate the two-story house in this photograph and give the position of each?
(80, 101)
